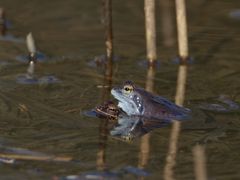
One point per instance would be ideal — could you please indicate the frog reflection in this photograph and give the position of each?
(130, 127)
(125, 127)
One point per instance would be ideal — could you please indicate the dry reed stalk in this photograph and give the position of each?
(107, 11)
(35, 158)
(182, 29)
(181, 85)
(149, 8)
(200, 162)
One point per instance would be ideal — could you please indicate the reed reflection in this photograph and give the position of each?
(175, 132)
(145, 145)
(103, 127)
(180, 89)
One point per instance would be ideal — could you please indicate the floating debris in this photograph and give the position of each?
(11, 38)
(7, 160)
(92, 175)
(33, 53)
(223, 105)
(136, 171)
(108, 175)
(235, 14)
(4, 25)
(9, 153)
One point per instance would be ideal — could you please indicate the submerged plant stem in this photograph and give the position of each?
(200, 162)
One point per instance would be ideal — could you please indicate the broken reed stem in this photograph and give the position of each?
(200, 162)
(149, 8)
(107, 10)
(145, 140)
(36, 158)
(181, 85)
(31, 44)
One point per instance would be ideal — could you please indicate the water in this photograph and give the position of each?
(48, 118)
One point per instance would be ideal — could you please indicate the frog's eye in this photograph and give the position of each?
(128, 88)
(113, 109)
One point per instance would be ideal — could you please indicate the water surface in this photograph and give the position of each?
(48, 118)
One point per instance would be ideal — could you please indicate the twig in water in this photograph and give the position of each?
(36, 158)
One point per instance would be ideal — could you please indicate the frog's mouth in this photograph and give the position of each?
(125, 102)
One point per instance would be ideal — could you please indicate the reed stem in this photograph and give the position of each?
(103, 131)
(107, 20)
(150, 27)
(182, 29)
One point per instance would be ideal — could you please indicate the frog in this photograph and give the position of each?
(136, 101)
(124, 127)
(107, 110)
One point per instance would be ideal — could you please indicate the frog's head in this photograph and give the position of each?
(130, 98)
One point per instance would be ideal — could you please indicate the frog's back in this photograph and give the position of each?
(162, 108)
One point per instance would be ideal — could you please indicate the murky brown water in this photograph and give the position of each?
(72, 32)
